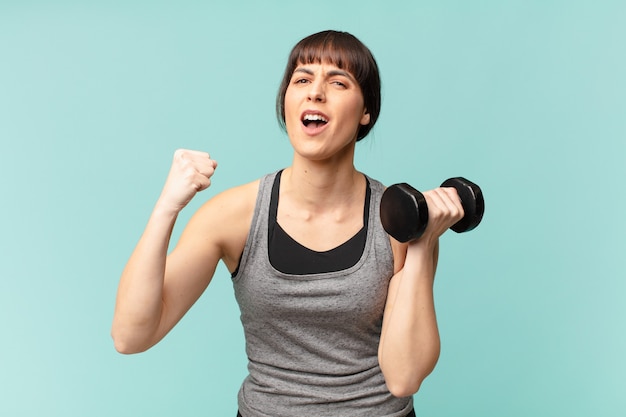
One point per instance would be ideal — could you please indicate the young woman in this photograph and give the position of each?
(339, 318)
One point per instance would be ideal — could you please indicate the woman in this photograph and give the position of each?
(338, 317)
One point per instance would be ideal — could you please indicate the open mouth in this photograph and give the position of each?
(314, 120)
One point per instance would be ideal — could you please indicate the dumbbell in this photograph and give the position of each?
(404, 212)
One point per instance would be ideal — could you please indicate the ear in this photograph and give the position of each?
(365, 119)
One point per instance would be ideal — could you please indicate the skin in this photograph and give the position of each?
(320, 206)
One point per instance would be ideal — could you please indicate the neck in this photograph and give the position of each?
(322, 185)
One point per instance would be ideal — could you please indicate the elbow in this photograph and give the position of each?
(401, 389)
(124, 348)
(405, 380)
(125, 345)
(131, 337)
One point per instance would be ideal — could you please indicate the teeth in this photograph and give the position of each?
(314, 117)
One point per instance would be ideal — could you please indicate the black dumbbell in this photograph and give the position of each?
(404, 212)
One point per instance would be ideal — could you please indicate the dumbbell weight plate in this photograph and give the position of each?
(472, 200)
(403, 212)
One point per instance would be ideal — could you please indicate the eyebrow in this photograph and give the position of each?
(330, 73)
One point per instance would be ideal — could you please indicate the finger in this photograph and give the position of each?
(442, 205)
(435, 200)
(193, 153)
(203, 162)
(197, 161)
(451, 198)
(450, 204)
(187, 155)
(201, 182)
(206, 167)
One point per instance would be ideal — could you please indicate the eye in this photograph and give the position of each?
(339, 84)
(300, 81)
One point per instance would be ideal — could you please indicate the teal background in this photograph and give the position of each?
(527, 98)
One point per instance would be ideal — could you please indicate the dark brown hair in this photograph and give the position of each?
(344, 51)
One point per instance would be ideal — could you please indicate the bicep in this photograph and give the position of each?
(189, 269)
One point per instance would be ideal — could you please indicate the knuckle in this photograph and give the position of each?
(180, 157)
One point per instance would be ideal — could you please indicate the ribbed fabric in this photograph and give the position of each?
(312, 340)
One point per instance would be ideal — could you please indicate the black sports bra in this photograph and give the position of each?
(290, 257)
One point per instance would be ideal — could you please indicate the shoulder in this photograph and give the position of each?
(236, 201)
(232, 202)
(375, 185)
(398, 249)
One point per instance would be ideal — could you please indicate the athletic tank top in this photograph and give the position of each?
(312, 339)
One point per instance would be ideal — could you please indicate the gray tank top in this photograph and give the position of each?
(312, 340)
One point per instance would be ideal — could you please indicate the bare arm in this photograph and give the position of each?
(409, 346)
(154, 290)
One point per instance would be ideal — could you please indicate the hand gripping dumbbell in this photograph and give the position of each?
(404, 212)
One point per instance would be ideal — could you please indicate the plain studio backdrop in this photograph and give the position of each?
(526, 98)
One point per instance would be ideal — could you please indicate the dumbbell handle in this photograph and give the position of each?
(404, 212)
(472, 201)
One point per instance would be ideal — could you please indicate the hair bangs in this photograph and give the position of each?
(328, 49)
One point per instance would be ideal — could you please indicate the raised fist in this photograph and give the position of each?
(190, 173)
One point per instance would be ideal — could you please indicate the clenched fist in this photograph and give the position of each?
(444, 210)
(190, 173)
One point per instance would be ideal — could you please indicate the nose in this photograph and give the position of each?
(316, 92)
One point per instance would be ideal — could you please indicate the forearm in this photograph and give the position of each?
(409, 347)
(139, 305)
